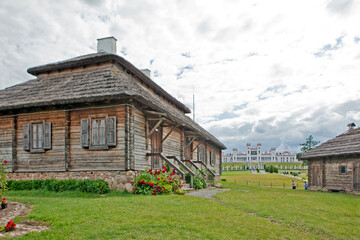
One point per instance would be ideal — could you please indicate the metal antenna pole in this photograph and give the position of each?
(193, 101)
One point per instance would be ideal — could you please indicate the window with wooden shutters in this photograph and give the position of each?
(85, 132)
(111, 131)
(37, 137)
(201, 153)
(98, 133)
(26, 137)
(212, 158)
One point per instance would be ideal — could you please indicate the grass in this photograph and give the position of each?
(265, 180)
(324, 215)
(278, 164)
(245, 212)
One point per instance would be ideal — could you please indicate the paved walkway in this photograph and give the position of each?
(207, 193)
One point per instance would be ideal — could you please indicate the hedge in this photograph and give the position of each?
(90, 186)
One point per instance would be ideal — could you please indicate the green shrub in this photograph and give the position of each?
(91, 186)
(158, 182)
(187, 177)
(223, 179)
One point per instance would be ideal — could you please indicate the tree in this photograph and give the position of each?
(309, 144)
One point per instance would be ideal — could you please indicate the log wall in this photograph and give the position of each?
(141, 161)
(324, 173)
(50, 160)
(84, 159)
(6, 141)
(172, 144)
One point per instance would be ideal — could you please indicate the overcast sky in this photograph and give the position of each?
(263, 71)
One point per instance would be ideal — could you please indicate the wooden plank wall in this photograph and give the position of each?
(6, 141)
(84, 159)
(217, 151)
(172, 144)
(141, 161)
(51, 160)
(329, 174)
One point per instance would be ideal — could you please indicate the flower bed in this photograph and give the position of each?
(155, 182)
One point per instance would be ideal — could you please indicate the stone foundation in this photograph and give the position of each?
(117, 179)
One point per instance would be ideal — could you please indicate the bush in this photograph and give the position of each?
(223, 179)
(187, 177)
(91, 186)
(158, 182)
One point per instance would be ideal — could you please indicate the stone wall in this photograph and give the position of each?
(117, 179)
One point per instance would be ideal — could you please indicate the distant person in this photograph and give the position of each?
(305, 185)
(293, 185)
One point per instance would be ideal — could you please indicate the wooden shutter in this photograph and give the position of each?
(85, 132)
(47, 135)
(111, 131)
(26, 137)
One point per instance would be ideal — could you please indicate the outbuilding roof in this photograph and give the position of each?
(345, 144)
(92, 85)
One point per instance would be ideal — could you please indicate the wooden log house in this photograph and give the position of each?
(98, 116)
(335, 164)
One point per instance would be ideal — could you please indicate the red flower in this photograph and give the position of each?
(164, 168)
(150, 170)
(180, 177)
(158, 179)
(5, 161)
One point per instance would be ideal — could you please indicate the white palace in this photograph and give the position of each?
(253, 154)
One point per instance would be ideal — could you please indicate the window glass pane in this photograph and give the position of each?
(34, 136)
(102, 132)
(95, 133)
(343, 169)
(40, 135)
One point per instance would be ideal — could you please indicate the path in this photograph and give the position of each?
(13, 210)
(207, 193)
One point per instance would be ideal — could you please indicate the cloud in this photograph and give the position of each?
(263, 71)
(328, 48)
(340, 6)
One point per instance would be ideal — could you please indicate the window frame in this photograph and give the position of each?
(106, 129)
(212, 158)
(31, 137)
(97, 146)
(341, 167)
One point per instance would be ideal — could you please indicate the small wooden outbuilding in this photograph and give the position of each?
(98, 116)
(335, 164)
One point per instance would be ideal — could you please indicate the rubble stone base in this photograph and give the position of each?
(117, 179)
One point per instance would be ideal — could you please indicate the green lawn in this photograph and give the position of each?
(245, 212)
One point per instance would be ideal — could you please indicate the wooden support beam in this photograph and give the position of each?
(168, 134)
(14, 142)
(190, 142)
(67, 141)
(195, 147)
(155, 113)
(155, 127)
(147, 133)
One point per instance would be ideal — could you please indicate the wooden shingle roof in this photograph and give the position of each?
(344, 144)
(98, 84)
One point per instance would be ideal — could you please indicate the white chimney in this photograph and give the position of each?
(107, 45)
(351, 126)
(146, 72)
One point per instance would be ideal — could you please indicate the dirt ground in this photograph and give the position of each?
(13, 210)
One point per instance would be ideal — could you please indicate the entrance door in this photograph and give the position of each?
(356, 179)
(156, 147)
(316, 178)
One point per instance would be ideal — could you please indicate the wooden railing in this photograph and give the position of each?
(208, 169)
(194, 165)
(171, 164)
(192, 174)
